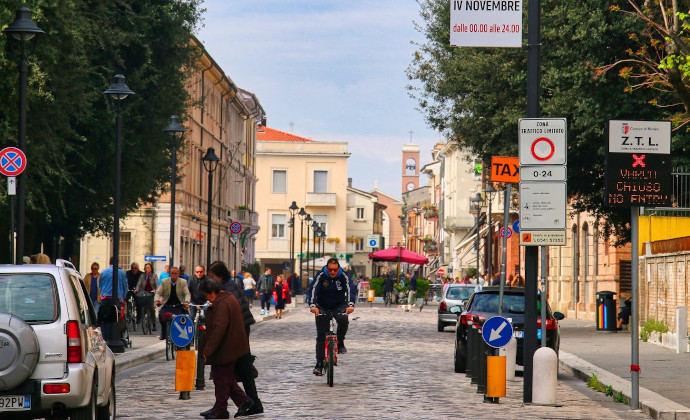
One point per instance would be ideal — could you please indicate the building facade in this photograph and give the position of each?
(224, 117)
(364, 218)
(311, 173)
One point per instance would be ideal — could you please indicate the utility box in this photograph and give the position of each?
(606, 311)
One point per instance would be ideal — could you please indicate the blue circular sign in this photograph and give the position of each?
(182, 330)
(235, 227)
(372, 243)
(497, 332)
(516, 226)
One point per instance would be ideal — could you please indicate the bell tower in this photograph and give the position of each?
(410, 167)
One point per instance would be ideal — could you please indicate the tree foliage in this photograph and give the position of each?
(71, 124)
(477, 95)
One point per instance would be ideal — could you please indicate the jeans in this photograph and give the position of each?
(266, 299)
(323, 324)
(226, 387)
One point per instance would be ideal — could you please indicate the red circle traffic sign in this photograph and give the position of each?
(440, 272)
(235, 227)
(503, 232)
(542, 149)
(12, 161)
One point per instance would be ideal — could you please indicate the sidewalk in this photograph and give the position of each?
(149, 347)
(664, 389)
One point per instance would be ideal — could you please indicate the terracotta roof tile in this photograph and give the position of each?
(270, 134)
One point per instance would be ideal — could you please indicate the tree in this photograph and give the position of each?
(476, 95)
(70, 126)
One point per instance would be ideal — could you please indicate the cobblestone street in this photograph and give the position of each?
(397, 366)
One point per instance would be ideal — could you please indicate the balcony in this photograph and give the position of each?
(320, 199)
(244, 216)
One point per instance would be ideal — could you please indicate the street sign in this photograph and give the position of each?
(235, 227)
(542, 141)
(286, 265)
(373, 241)
(12, 161)
(638, 164)
(497, 332)
(542, 205)
(505, 169)
(11, 185)
(440, 272)
(486, 23)
(503, 232)
(153, 258)
(544, 173)
(543, 238)
(182, 330)
(516, 226)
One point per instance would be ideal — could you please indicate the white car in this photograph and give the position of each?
(54, 361)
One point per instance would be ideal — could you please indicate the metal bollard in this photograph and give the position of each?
(200, 382)
(483, 347)
(470, 343)
(185, 395)
(510, 352)
(545, 376)
(475, 355)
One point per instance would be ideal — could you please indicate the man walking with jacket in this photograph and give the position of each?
(264, 289)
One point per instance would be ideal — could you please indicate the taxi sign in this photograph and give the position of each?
(182, 330)
(505, 169)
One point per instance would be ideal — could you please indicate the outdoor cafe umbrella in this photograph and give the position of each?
(399, 254)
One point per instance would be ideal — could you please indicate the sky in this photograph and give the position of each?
(329, 71)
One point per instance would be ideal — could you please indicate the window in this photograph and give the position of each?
(279, 181)
(320, 181)
(322, 221)
(359, 244)
(360, 213)
(278, 226)
(31, 297)
(125, 249)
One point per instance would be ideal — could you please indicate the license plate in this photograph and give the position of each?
(15, 402)
(517, 334)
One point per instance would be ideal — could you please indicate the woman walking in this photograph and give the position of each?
(249, 287)
(280, 295)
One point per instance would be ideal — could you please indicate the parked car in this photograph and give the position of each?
(54, 361)
(455, 295)
(484, 304)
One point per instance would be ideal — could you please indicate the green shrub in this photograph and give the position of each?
(620, 398)
(377, 284)
(650, 326)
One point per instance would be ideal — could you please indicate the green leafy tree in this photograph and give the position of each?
(70, 123)
(477, 95)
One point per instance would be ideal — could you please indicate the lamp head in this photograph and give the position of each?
(174, 127)
(293, 207)
(210, 160)
(22, 27)
(302, 213)
(119, 90)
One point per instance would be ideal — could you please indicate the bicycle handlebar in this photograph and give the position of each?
(199, 306)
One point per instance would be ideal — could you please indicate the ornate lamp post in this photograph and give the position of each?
(291, 223)
(210, 161)
(317, 230)
(22, 29)
(117, 92)
(174, 128)
(308, 221)
(302, 215)
(323, 243)
(476, 205)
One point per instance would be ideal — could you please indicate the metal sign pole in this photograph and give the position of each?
(506, 221)
(635, 344)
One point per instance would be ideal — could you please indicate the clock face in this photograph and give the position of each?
(410, 186)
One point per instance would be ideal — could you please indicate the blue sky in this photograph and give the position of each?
(329, 71)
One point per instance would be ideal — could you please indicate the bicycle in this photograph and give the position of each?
(199, 323)
(130, 314)
(170, 347)
(388, 298)
(144, 300)
(331, 357)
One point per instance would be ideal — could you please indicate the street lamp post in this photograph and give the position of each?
(293, 210)
(308, 221)
(323, 243)
(117, 92)
(315, 227)
(210, 161)
(489, 190)
(174, 128)
(476, 208)
(302, 215)
(22, 29)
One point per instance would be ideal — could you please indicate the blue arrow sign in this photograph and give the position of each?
(152, 258)
(182, 330)
(497, 332)
(516, 226)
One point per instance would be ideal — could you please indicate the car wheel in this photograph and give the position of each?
(460, 361)
(88, 412)
(440, 326)
(20, 351)
(107, 412)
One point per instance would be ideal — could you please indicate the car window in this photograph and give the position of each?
(32, 297)
(458, 293)
(512, 303)
(91, 311)
(74, 286)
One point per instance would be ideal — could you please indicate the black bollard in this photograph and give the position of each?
(481, 385)
(468, 363)
(185, 395)
(200, 382)
(475, 355)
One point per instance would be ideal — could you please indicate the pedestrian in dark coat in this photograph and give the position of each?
(244, 371)
(225, 342)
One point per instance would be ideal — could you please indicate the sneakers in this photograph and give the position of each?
(341, 347)
(262, 312)
(318, 369)
(245, 408)
(207, 412)
(268, 313)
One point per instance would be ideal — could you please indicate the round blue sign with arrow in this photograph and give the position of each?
(497, 332)
(516, 226)
(182, 330)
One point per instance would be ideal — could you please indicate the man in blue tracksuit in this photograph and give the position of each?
(332, 292)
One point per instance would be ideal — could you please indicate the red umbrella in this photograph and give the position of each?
(398, 253)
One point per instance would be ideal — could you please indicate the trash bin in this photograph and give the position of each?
(606, 311)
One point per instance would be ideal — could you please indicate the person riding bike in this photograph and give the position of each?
(172, 293)
(334, 293)
(388, 286)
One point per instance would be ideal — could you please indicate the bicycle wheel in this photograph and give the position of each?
(168, 344)
(331, 361)
(145, 323)
(131, 316)
(173, 349)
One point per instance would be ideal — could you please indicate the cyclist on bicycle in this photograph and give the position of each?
(333, 293)
(388, 288)
(197, 297)
(171, 294)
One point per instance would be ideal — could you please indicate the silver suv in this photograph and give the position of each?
(54, 362)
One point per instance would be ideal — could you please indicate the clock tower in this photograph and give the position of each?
(410, 167)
